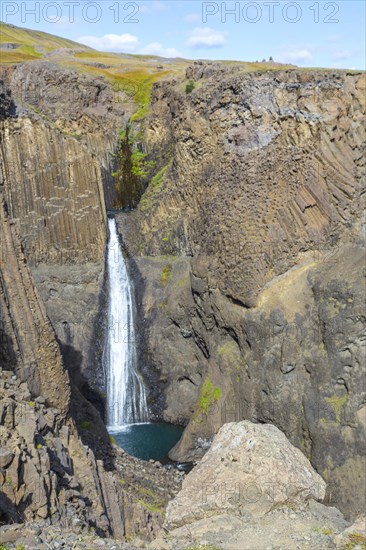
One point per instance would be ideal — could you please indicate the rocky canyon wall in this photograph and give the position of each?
(58, 131)
(57, 143)
(246, 250)
(249, 248)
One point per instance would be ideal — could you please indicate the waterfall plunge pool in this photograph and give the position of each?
(127, 412)
(148, 441)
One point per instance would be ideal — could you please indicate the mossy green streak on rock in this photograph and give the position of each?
(166, 274)
(158, 178)
(151, 507)
(148, 199)
(143, 82)
(154, 504)
(86, 425)
(209, 395)
(356, 540)
(337, 403)
(230, 353)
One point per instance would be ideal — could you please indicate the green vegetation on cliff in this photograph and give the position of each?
(190, 87)
(132, 169)
(355, 540)
(158, 178)
(166, 274)
(337, 403)
(149, 198)
(209, 396)
(151, 500)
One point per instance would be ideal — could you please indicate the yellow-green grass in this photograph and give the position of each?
(21, 54)
(17, 35)
(137, 83)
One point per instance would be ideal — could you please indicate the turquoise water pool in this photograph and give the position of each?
(148, 441)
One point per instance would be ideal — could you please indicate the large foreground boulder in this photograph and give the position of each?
(249, 469)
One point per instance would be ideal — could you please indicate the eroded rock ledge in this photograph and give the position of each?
(50, 480)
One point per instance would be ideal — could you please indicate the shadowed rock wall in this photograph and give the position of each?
(58, 136)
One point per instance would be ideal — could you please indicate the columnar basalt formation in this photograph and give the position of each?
(48, 477)
(30, 343)
(54, 191)
(246, 251)
(250, 250)
(58, 136)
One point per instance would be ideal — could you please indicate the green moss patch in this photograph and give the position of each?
(209, 396)
(158, 178)
(150, 500)
(337, 403)
(86, 425)
(148, 199)
(356, 540)
(166, 275)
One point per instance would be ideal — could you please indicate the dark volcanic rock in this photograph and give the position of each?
(250, 252)
(247, 249)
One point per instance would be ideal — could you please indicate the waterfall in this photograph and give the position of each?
(126, 396)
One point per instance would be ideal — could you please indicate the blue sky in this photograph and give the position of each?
(305, 33)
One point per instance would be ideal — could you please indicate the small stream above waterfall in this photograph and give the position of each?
(127, 412)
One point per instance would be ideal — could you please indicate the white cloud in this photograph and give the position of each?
(126, 43)
(152, 6)
(300, 55)
(205, 37)
(112, 42)
(193, 18)
(293, 54)
(334, 38)
(155, 48)
(343, 54)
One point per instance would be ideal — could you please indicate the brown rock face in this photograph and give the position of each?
(54, 187)
(246, 249)
(46, 472)
(30, 344)
(58, 133)
(251, 310)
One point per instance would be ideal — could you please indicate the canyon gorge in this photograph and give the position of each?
(239, 206)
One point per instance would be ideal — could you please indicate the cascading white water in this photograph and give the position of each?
(126, 396)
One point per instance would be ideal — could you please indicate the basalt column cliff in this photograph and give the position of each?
(258, 293)
(57, 137)
(244, 236)
(58, 465)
